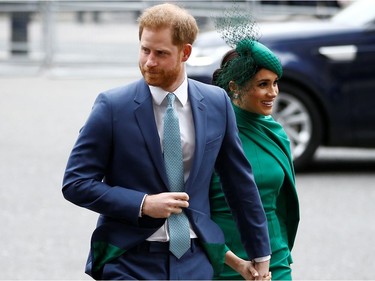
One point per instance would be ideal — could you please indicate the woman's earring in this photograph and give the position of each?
(235, 95)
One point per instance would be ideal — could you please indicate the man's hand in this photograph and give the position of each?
(245, 268)
(251, 273)
(164, 204)
(263, 269)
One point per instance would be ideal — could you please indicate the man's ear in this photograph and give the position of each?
(186, 50)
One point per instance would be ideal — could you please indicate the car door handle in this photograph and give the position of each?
(339, 53)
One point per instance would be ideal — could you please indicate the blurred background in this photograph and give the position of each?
(56, 56)
(44, 35)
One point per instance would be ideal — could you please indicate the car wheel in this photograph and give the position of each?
(300, 118)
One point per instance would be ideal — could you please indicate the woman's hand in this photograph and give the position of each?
(245, 268)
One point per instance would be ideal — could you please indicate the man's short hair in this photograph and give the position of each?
(183, 25)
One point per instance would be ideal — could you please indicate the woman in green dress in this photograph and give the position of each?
(250, 73)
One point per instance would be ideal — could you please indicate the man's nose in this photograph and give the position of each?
(151, 61)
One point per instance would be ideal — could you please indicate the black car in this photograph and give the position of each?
(327, 91)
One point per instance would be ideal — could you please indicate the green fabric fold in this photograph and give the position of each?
(103, 253)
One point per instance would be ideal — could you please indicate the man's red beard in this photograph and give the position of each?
(160, 78)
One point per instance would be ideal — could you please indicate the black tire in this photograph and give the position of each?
(300, 117)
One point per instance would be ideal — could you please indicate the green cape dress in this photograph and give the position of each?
(267, 148)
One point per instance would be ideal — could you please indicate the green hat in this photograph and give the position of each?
(239, 30)
(262, 56)
(246, 59)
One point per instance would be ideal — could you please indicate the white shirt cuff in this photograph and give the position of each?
(141, 207)
(261, 259)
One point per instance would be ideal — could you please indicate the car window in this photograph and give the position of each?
(359, 13)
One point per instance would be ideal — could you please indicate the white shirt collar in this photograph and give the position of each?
(158, 94)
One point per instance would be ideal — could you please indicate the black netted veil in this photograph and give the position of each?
(240, 31)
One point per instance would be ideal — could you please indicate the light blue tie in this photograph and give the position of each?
(178, 223)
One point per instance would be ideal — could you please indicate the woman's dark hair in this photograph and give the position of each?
(228, 57)
(237, 67)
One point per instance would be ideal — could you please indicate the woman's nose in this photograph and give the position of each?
(274, 91)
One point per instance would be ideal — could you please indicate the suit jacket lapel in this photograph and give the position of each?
(199, 116)
(144, 114)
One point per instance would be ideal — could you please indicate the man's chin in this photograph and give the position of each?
(152, 82)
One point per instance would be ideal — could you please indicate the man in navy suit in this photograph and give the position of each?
(116, 167)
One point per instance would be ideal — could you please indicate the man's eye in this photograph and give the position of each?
(146, 51)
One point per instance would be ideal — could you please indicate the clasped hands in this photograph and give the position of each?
(256, 271)
(249, 270)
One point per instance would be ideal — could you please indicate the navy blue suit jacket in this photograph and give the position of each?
(117, 159)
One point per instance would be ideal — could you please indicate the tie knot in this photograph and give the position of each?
(170, 98)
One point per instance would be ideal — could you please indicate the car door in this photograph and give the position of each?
(352, 63)
(363, 87)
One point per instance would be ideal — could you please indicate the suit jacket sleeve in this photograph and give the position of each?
(241, 191)
(84, 183)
